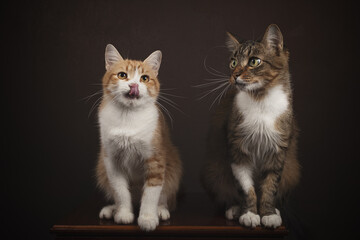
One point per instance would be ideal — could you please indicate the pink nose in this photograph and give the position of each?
(134, 90)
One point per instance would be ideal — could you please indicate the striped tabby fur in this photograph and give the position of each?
(251, 159)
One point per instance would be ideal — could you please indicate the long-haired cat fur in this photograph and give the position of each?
(251, 159)
(137, 161)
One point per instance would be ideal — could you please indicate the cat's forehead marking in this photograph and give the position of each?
(140, 69)
(245, 51)
(130, 66)
(133, 66)
(247, 47)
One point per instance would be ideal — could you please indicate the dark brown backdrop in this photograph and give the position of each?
(53, 57)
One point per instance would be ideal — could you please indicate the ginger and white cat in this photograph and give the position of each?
(251, 157)
(137, 161)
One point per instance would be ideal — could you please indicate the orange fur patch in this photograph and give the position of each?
(129, 67)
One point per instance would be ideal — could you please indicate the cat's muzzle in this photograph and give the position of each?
(134, 91)
(240, 83)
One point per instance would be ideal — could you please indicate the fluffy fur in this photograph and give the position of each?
(137, 161)
(251, 159)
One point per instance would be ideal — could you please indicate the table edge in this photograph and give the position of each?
(176, 230)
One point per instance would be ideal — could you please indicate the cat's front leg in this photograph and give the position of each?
(243, 174)
(148, 217)
(122, 211)
(163, 210)
(270, 216)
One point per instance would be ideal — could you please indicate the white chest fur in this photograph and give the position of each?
(128, 132)
(259, 117)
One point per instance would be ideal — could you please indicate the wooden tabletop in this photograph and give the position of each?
(195, 217)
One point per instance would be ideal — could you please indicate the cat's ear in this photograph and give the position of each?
(111, 56)
(231, 42)
(273, 38)
(154, 61)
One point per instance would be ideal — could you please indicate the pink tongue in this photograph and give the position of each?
(134, 90)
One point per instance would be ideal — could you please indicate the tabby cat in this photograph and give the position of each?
(251, 157)
(137, 161)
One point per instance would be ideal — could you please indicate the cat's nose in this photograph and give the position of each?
(238, 76)
(134, 90)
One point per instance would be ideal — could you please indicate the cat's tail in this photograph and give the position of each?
(218, 182)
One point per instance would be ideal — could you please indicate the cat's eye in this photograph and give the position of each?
(233, 63)
(145, 78)
(254, 62)
(122, 75)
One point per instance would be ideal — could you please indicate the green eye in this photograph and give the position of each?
(254, 62)
(145, 78)
(122, 75)
(233, 63)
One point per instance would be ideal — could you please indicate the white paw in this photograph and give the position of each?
(232, 212)
(123, 217)
(272, 221)
(163, 213)
(148, 222)
(107, 212)
(250, 219)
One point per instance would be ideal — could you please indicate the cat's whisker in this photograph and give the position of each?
(213, 90)
(92, 95)
(95, 105)
(217, 79)
(217, 71)
(171, 95)
(168, 89)
(213, 71)
(171, 103)
(204, 85)
(164, 109)
(167, 100)
(215, 74)
(220, 83)
(206, 93)
(219, 97)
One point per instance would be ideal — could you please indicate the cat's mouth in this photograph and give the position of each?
(245, 85)
(134, 92)
(131, 96)
(240, 85)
